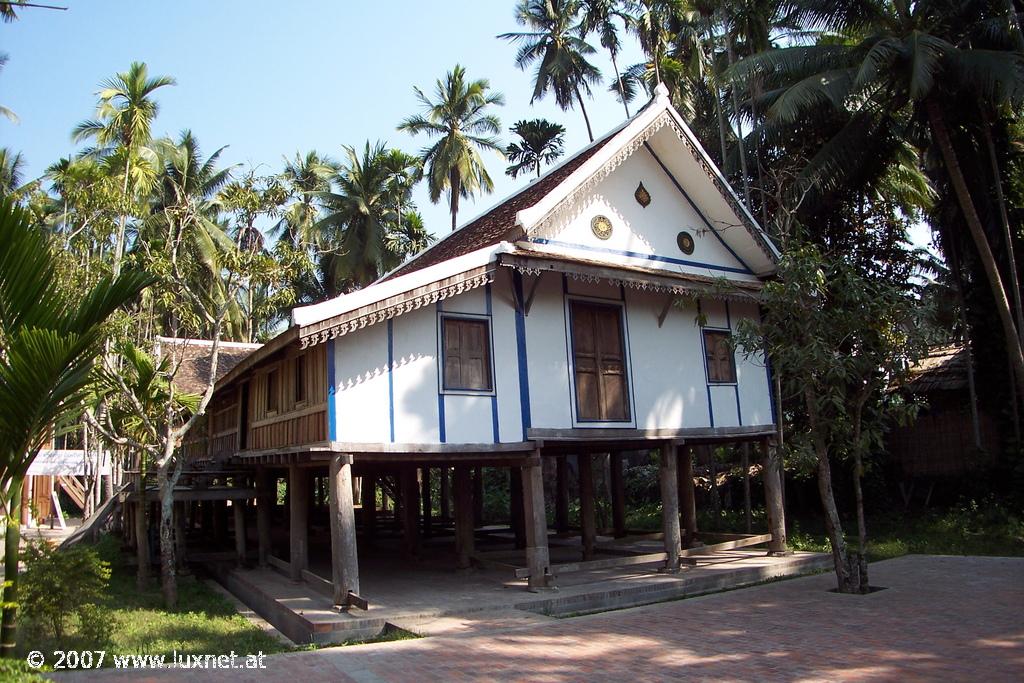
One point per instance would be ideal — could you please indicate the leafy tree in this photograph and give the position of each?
(50, 339)
(540, 141)
(553, 41)
(58, 583)
(12, 165)
(457, 116)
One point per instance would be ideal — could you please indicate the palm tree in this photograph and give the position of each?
(124, 118)
(457, 115)
(599, 16)
(359, 215)
(11, 166)
(305, 177)
(918, 64)
(539, 141)
(51, 338)
(404, 171)
(4, 111)
(651, 21)
(553, 41)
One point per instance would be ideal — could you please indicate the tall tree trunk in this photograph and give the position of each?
(455, 186)
(168, 555)
(583, 109)
(858, 492)
(123, 222)
(972, 393)
(956, 177)
(618, 82)
(12, 542)
(739, 126)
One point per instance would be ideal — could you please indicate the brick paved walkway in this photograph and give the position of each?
(949, 618)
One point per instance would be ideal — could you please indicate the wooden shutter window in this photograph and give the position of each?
(467, 355)
(599, 363)
(719, 356)
(300, 379)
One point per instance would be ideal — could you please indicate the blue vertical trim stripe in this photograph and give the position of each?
(495, 428)
(524, 370)
(332, 408)
(739, 411)
(391, 378)
(441, 431)
(704, 357)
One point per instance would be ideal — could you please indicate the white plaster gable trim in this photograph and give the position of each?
(304, 316)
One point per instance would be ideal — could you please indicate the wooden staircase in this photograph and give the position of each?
(74, 489)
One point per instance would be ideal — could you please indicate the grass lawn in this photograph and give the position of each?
(971, 528)
(204, 623)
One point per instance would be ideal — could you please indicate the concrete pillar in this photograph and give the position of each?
(687, 495)
(344, 555)
(537, 556)
(562, 494)
(410, 511)
(464, 525)
(516, 519)
(588, 535)
(369, 503)
(667, 474)
(238, 507)
(618, 487)
(266, 499)
(298, 521)
(773, 499)
(428, 503)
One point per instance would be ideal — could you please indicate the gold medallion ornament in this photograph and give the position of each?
(643, 197)
(602, 227)
(684, 241)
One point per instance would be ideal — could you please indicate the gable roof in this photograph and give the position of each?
(526, 212)
(195, 356)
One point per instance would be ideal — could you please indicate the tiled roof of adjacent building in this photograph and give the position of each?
(196, 355)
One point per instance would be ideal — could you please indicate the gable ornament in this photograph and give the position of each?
(643, 197)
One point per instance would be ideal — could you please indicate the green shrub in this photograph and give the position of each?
(59, 583)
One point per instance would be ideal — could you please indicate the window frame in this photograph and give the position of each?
(727, 333)
(273, 389)
(299, 375)
(627, 357)
(457, 391)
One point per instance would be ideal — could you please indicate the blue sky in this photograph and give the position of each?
(273, 78)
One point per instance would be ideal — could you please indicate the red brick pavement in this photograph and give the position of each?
(941, 618)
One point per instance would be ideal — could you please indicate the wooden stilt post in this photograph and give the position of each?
(668, 477)
(464, 525)
(410, 511)
(516, 517)
(537, 555)
(745, 464)
(588, 535)
(478, 496)
(687, 496)
(369, 506)
(562, 494)
(344, 552)
(773, 500)
(298, 521)
(238, 508)
(266, 498)
(445, 493)
(428, 503)
(618, 489)
(179, 533)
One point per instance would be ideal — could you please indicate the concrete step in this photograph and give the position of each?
(476, 622)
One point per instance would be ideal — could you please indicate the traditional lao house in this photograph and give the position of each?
(590, 312)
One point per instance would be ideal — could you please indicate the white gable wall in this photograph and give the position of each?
(642, 236)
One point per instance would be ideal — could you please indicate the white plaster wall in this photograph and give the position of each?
(644, 231)
(415, 376)
(548, 358)
(361, 386)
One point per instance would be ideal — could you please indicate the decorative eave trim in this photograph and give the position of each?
(678, 285)
(394, 306)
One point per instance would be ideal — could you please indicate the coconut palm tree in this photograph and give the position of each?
(304, 177)
(539, 141)
(51, 337)
(4, 111)
(124, 117)
(600, 16)
(458, 117)
(404, 171)
(12, 164)
(553, 42)
(920, 63)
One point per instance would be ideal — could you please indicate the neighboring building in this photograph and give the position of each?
(590, 312)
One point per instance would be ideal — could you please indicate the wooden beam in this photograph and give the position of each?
(728, 545)
(463, 516)
(669, 300)
(344, 553)
(588, 532)
(669, 506)
(537, 556)
(617, 435)
(603, 563)
(298, 521)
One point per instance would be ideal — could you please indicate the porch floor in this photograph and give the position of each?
(429, 597)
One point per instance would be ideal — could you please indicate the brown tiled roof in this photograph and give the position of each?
(943, 369)
(499, 223)
(195, 356)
